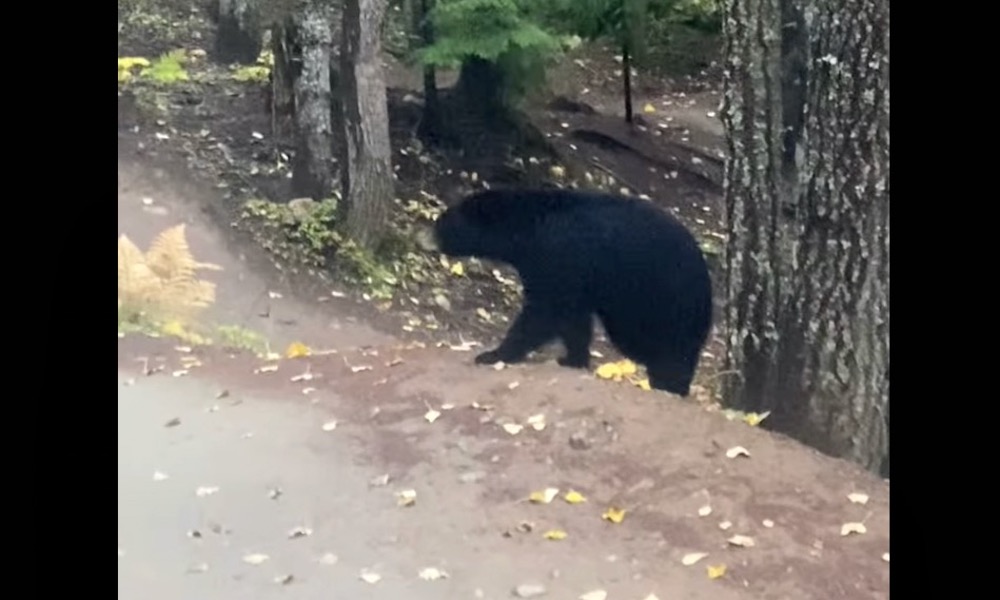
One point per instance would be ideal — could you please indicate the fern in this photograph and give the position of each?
(168, 68)
(162, 283)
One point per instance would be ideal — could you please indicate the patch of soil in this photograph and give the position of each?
(661, 459)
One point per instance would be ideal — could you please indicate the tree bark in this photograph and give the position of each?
(238, 39)
(807, 115)
(312, 174)
(367, 175)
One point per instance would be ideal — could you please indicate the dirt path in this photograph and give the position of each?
(660, 458)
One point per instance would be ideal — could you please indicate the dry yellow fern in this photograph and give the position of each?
(163, 280)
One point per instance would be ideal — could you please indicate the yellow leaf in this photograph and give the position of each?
(543, 496)
(616, 370)
(457, 269)
(296, 350)
(643, 384)
(574, 497)
(649, 109)
(754, 419)
(714, 572)
(174, 328)
(555, 534)
(614, 514)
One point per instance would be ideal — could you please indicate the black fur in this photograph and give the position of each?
(582, 254)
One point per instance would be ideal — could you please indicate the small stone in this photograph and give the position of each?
(530, 590)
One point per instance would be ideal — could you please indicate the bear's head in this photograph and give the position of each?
(491, 224)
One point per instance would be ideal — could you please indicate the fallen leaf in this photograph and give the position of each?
(725, 525)
(266, 369)
(158, 476)
(512, 428)
(406, 497)
(767, 523)
(649, 109)
(255, 559)
(284, 579)
(360, 368)
(692, 557)
(651, 597)
(595, 595)
(543, 496)
(704, 511)
(306, 376)
(613, 514)
(297, 350)
(885, 557)
(330, 425)
(849, 528)
(555, 534)
(537, 422)
(431, 415)
(754, 419)
(616, 371)
(180, 372)
(457, 269)
(574, 497)
(298, 532)
(369, 576)
(858, 498)
(716, 571)
(529, 590)
(743, 541)
(737, 451)
(432, 574)
(328, 559)
(206, 490)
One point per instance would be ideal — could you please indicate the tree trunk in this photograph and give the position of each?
(312, 174)
(367, 166)
(287, 67)
(807, 116)
(430, 122)
(238, 39)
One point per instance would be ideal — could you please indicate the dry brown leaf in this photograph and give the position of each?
(858, 498)
(853, 528)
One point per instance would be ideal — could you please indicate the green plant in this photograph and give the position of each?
(504, 32)
(240, 338)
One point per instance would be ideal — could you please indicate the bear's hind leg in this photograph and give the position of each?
(535, 326)
(576, 331)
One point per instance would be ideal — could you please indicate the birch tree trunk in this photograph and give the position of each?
(807, 188)
(366, 172)
(312, 169)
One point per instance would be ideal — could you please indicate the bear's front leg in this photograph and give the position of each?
(535, 326)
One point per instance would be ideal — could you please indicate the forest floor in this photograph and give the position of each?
(206, 146)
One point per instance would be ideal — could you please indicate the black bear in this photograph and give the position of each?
(579, 254)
